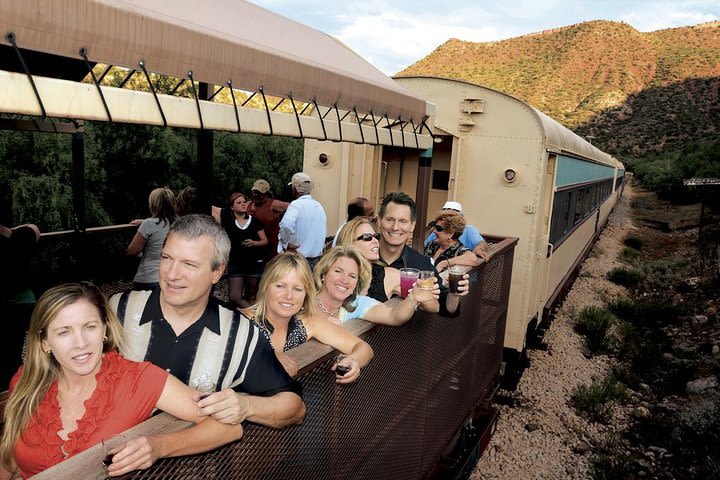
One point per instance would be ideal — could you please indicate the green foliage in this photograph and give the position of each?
(633, 242)
(665, 271)
(595, 401)
(123, 163)
(664, 173)
(697, 434)
(625, 276)
(629, 254)
(613, 466)
(594, 324)
(642, 339)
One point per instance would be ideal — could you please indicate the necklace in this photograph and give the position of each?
(324, 310)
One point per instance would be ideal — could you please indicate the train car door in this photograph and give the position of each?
(544, 249)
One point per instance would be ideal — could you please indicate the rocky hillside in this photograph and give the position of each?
(633, 92)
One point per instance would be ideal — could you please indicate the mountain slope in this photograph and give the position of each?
(601, 78)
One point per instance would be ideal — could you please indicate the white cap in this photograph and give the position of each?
(453, 206)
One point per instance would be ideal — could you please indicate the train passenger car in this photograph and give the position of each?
(517, 173)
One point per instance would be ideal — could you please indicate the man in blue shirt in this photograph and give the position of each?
(470, 237)
(304, 226)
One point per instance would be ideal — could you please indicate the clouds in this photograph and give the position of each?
(394, 34)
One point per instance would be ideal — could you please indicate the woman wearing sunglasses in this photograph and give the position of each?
(447, 250)
(384, 281)
(342, 273)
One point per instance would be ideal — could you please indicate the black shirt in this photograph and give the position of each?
(263, 373)
(413, 259)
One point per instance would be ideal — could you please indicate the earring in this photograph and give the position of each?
(105, 339)
(48, 351)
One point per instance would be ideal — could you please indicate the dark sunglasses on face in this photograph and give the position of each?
(439, 228)
(366, 237)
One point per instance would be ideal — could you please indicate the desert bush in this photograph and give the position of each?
(595, 401)
(646, 311)
(612, 466)
(594, 324)
(626, 277)
(659, 274)
(633, 242)
(696, 435)
(629, 254)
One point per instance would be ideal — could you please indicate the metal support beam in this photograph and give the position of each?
(72, 100)
(204, 158)
(422, 191)
(78, 181)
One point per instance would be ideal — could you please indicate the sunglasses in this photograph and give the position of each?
(366, 237)
(439, 228)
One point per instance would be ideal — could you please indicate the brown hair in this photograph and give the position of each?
(454, 222)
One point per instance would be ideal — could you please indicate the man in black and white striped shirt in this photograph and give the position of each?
(183, 329)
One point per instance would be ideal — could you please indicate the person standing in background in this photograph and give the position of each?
(269, 211)
(150, 237)
(304, 226)
(358, 207)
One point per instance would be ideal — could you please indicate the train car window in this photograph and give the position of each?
(573, 205)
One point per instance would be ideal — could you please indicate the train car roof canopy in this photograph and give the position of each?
(218, 40)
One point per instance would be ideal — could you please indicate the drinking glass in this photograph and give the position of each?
(455, 274)
(343, 365)
(205, 389)
(426, 280)
(111, 446)
(408, 276)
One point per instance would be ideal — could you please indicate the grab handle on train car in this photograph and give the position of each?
(550, 249)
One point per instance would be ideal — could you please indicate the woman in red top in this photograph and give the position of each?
(75, 389)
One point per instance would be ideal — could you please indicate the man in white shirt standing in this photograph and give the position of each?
(304, 226)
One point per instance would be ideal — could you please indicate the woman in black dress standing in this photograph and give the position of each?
(248, 253)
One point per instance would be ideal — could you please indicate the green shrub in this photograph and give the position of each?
(629, 254)
(594, 324)
(697, 435)
(626, 277)
(649, 312)
(618, 466)
(595, 401)
(633, 242)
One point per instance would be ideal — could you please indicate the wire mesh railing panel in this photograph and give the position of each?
(396, 421)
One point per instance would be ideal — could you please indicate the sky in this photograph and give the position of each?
(393, 34)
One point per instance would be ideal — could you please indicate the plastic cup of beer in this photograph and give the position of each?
(205, 389)
(408, 276)
(455, 274)
(426, 281)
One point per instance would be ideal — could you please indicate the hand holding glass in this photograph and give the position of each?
(205, 389)
(111, 446)
(455, 274)
(408, 276)
(426, 281)
(343, 365)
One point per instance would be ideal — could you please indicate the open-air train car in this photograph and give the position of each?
(517, 173)
(417, 398)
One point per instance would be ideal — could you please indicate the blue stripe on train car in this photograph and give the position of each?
(571, 171)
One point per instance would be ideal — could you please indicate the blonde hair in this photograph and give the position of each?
(162, 205)
(278, 268)
(327, 261)
(348, 234)
(40, 369)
